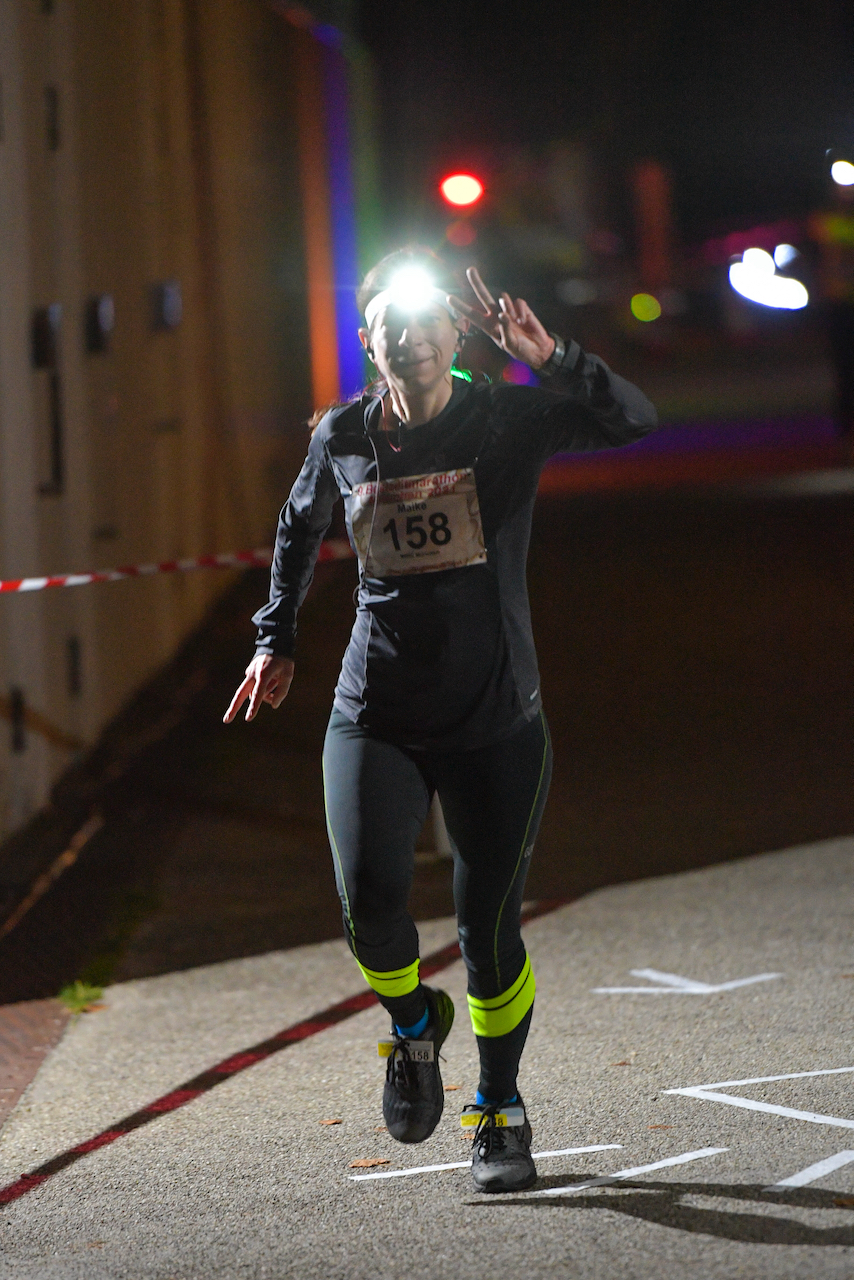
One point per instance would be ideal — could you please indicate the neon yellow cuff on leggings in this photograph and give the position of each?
(498, 1016)
(398, 982)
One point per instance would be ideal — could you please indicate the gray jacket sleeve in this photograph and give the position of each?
(304, 520)
(591, 407)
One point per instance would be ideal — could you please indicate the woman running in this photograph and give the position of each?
(439, 691)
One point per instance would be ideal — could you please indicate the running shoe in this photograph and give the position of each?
(501, 1154)
(413, 1096)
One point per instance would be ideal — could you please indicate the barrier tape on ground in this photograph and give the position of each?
(234, 1064)
(332, 549)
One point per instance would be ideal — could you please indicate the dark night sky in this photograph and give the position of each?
(741, 97)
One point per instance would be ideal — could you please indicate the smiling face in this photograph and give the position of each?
(413, 349)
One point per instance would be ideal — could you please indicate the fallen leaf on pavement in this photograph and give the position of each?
(624, 1063)
(332, 1122)
(367, 1164)
(452, 1088)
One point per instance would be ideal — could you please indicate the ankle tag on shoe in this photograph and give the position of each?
(419, 1050)
(506, 1118)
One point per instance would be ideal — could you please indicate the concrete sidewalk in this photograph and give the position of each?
(247, 1181)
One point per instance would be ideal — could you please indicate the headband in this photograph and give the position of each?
(408, 296)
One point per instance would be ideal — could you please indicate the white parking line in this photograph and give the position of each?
(708, 1093)
(702, 1154)
(814, 1171)
(466, 1164)
(813, 1117)
(790, 1075)
(671, 984)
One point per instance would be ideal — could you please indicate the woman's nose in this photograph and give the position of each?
(411, 334)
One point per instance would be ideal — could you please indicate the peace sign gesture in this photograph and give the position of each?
(511, 324)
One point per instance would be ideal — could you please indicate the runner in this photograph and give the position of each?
(439, 691)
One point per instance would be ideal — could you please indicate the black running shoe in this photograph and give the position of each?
(501, 1156)
(413, 1097)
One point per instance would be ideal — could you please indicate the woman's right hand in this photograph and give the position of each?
(268, 679)
(511, 324)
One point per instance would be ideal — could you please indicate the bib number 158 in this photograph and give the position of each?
(416, 535)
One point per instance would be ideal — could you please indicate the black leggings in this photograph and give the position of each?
(377, 798)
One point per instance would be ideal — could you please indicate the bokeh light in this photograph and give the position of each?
(784, 254)
(519, 374)
(755, 278)
(461, 188)
(461, 233)
(645, 307)
(758, 262)
(842, 173)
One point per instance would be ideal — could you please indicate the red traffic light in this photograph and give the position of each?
(461, 189)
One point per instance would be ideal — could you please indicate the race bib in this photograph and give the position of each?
(419, 1050)
(418, 524)
(506, 1118)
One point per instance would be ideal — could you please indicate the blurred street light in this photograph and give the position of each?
(842, 173)
(784, 254)
(756, 279)
(461, 189)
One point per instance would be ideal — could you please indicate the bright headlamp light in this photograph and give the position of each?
(411, 290)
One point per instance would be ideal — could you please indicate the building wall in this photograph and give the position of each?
(146, 144)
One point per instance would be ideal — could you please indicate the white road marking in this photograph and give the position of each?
(671, 984)
(814, 1171)
(466, 1164)
(670, 979)
(708, 1093)
(813, 1117)
(702, 1154)
(790, 1075)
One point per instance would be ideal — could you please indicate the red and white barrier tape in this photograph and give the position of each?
(333, 549)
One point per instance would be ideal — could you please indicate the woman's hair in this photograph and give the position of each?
(412, 255)
(379, 278)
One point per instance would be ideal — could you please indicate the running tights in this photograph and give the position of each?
(377, 798)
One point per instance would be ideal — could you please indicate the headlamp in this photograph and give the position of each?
(411, 290)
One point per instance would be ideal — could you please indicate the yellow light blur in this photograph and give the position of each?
(842, 173)
(645, 307)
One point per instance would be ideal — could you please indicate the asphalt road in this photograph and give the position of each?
(696, 661)
(245, 1178)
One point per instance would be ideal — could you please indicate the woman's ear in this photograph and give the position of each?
(365, 339)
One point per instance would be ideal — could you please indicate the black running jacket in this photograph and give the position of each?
(441, 653)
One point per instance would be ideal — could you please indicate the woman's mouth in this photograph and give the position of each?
(409, 366)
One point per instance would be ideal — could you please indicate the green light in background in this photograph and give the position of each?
(645, 307)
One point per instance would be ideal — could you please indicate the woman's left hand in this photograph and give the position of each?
(510, 323)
